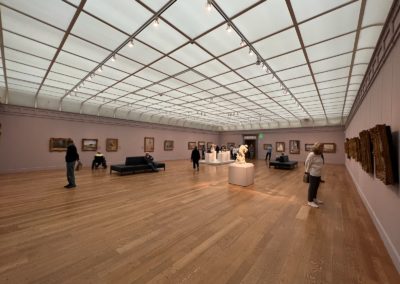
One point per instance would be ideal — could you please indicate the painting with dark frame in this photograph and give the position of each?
(58, 144)
(201, 144)
(294, 146)
(191, 145)
(381, 137)
(366, 152)
(308, 147)
(280, 146)
(111, 145)
(329, 147)
(89, 144)
(267, 146)
(148, 144)
(168, 145)
(209, 144)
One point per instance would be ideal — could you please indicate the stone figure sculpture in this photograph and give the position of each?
(241, 155)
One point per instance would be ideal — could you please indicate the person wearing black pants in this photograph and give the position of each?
(70, 158)
(195, 157)
(313, 166)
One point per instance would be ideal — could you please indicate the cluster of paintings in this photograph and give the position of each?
(169, 144)
(294, 147)
(373, 145)
(61, 144)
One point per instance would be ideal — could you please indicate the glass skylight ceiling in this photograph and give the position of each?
(193, 69)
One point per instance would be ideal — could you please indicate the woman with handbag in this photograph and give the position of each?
(313, 167)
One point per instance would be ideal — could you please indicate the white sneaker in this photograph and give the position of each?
(313, 204)
(318, 201)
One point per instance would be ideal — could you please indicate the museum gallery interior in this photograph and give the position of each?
(125, 78)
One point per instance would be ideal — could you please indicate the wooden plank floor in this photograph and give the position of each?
(181, 226)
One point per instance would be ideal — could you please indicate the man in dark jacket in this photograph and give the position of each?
(150, 161)
(195, 158)
(70, 158)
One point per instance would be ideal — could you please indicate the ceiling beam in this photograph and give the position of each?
(3, 57)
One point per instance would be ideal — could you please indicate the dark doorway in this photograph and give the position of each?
(251, 142)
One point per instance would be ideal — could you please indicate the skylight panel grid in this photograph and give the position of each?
(242, 85)
(376, 12)
(278, 44)
(334, 74)
(220, 41)
(239, 58)
(191, 55)
(158, 89)
(23, 68)
(24, 58)
(332, 83)
(78, 62)
(251, 71)
(124, 64)
(299, 82)
(369, 37)
(140, 52)
(151, 75)
(22, 76)
(85, 49)
(206, 85)
(332, 63)
(219, 91)
(168, 66)
(289, 60)
(332, 47)
(102, 80)
(227, 78)
(363, 56)
(189, 90)
(212, 68)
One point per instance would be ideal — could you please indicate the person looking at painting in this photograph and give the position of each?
(98, 160)
(70, 158)
(313, 167)
(150, 161)
(269, 153)
(195, 157)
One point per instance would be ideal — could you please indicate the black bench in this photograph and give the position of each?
(283, 162)
(134, 164)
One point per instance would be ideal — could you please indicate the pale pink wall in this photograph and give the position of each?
(381, 106)
(305, 135)
(24, 143)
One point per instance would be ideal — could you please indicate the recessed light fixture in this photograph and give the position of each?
(250, 52)
(156, 23)
(228, 28)
(130, 44)
(209, 5)
(100, 69)
(113, 58)
(242, 43)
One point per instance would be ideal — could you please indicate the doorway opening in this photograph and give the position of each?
(251, 142)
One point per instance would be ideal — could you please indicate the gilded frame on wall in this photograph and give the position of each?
(229, 145)
(168, 145)
(111, 145)
(381, 138)
(89, 144)
(201, 144)
(280, 147)
(58, 144)
(209, 144)
(191, 145)
(366, 152)
(148, 144)
(267, 146)
(308, 147)
(294, 146)
(329, 147)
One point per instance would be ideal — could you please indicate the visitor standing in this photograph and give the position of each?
(70, 158)
(195, 157)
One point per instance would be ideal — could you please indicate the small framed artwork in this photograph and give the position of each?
(58, 144)
(230, 144)
(111, 145)
(294, 146)
(149, 144)
(329, 148)
(168, 145)
(280, 146)
(209, 144)
(308, 147)
(201, 144)
(89, 144)
(267, 146)
(191, 145)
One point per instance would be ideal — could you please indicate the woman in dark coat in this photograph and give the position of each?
(195, 158)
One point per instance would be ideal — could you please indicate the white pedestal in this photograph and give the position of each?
(224, 156)
(211, 157)
(241, 174)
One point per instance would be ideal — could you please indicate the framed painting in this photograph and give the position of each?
(308, 147)
(149, 144)
(366, 152)
(267, 146)
(381, 137)
(168, 145)
(280, 146)
(58, 144)
(329, 148)
(89, 144)
(111, 145)
(209, 144)
(294, 146)
(201, 144)
(191, 145)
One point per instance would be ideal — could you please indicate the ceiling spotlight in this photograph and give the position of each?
(90, 78)
(130, 44)
(250, 52)
(242, 43)
(258, 62)
(100, 69)
(228, 28)
(273, 77)
(264, 67)
(209, 5)
(113, 58)
(156, 23)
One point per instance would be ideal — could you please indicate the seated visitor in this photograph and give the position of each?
(149, 160)
(99, 160)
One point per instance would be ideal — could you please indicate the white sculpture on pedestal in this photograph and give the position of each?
(241, 155)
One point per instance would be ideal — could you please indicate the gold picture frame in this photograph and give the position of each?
(111, 145)
(191, 145)
(58, 144)
(89, 144)
(280, 146)
(329, 147)
(168, 145)
(294, 146)
(148, 144)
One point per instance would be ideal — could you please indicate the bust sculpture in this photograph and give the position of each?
(241, 155)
